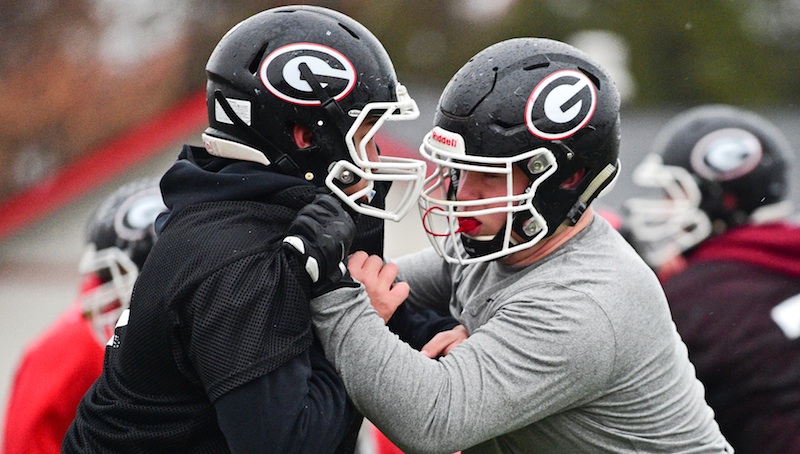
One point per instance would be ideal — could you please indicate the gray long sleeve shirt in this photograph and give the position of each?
(574, 353)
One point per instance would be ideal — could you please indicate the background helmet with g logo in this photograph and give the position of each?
(315, 67)
(120, 235)
(540, 105)
(718, 167)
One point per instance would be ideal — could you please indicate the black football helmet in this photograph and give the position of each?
(534, 103)
(310, 66)
(119, 237)
(718, 167)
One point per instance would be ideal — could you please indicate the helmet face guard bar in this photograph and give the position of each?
(386, 168)
(102, 305)
(666, 227)
(441, 211)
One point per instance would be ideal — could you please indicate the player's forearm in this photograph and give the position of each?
(420, 403)
(428, 278)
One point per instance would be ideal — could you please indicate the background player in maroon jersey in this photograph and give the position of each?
(729, 260)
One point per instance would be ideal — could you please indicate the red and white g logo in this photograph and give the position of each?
(560, 105)
(280, 73)
(726, 154)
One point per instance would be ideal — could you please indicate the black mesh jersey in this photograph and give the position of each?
(216, 305)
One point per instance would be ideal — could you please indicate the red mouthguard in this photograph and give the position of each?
(467, 225)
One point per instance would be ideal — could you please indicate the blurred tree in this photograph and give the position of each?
(691, 52)
(74, 74)
(684, 52)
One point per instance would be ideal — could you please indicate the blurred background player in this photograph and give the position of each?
(729, 261)
(59, 366)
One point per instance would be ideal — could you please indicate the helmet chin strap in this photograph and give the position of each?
(334, 112)
(602, 183)
(479, 248)
(332, 108)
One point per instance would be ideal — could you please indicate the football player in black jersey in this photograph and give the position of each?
(216, 353)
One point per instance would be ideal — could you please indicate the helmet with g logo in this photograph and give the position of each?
(315, 67)
(717, 167)
(536, 104)
(120, 235)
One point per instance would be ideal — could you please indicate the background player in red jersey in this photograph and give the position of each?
(729, 261)
(60, 365)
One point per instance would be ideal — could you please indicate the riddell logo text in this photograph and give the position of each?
(448, 141)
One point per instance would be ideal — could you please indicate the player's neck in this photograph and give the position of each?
(547, 246)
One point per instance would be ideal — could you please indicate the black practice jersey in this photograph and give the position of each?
(217, 305)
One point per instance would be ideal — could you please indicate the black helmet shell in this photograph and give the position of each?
(526, 93)
(126, 218)
(738, 159)
(256, 67)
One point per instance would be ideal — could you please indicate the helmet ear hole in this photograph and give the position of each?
(302, 135)
(574, 180)
(729, 201)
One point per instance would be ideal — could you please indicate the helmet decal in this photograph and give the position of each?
(447, 141)
(726, 154)
(280, 73)
(134, 219)
(241, 107)
(560, 105)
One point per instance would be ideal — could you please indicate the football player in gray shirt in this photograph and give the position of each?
(571, 345)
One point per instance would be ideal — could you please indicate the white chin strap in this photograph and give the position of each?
(223, 148)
